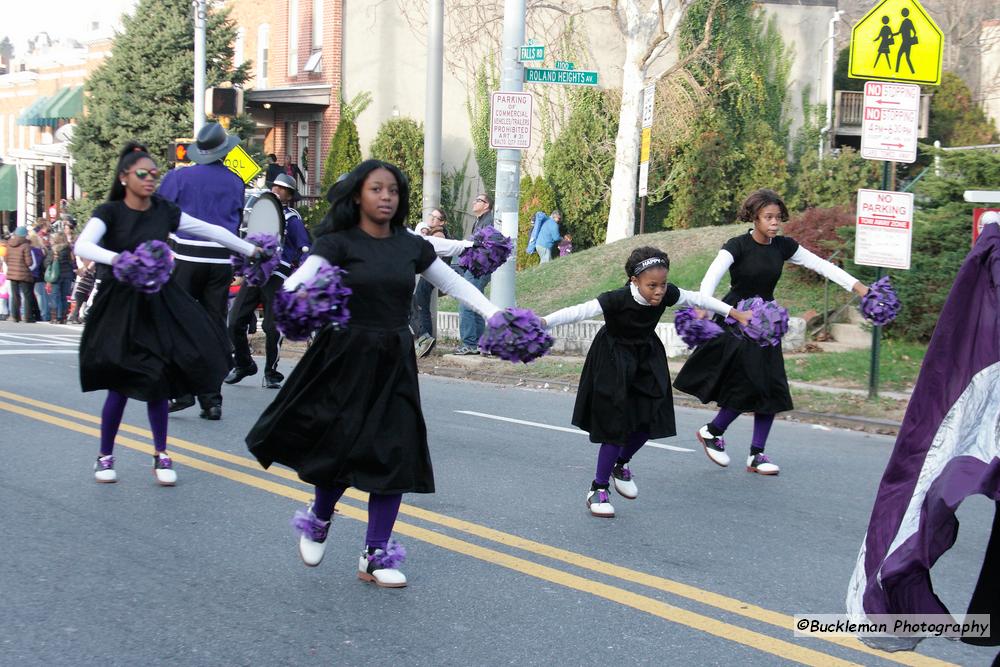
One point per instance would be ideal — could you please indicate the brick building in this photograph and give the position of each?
(294, 90)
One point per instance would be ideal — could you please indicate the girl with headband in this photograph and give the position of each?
(735, 372)
(624, 397)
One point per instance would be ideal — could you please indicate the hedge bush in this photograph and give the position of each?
(400, 141)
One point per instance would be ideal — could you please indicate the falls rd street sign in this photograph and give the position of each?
(884, 230)
(568, 77)
(510, 120)
(241, 164)
(897, 40)
(531, 53)
(889, 123)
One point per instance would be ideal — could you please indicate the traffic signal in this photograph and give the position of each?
(178, 152)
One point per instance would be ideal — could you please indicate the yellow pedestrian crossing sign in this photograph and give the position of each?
(897, 40)
(241, 164)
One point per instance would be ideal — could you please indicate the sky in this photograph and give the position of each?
(60, 18)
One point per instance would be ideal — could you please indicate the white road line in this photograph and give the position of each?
(37, 350)
(563, 429)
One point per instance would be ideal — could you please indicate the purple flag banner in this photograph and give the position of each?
(948, 448)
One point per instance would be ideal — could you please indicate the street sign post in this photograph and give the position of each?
(884, 229)
(897, 40)
(648, 94)
(510, 120)
(889, 123)
(562, 76)
(241, 164)
(531, 53)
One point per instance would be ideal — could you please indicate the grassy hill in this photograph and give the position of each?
(580, 276)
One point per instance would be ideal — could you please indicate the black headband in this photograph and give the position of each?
(648, 264)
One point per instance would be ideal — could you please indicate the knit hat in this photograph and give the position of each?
(21, 231)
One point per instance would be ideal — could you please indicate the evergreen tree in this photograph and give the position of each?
(345, 146)
(145, 88)
(580, 162)
(478, 108)
(400, 141)
(955, 120)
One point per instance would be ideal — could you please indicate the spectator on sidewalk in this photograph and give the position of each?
(470, 324)
(22, 298)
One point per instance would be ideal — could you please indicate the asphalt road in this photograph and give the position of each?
(506, 566)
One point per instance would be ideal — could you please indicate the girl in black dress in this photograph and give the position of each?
(735, 372)
(624, 397)
(145, 346)
(349, 414)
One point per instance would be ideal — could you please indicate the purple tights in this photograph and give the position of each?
(111, 419)
(382, 511)
(761, 426)
(610, 453)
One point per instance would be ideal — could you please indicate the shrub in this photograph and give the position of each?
(400, 141)
(580, 162)
(942, 233)
(816, 229)
(834, 181)
(456, 190)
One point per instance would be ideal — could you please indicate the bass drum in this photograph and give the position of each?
(266, 215)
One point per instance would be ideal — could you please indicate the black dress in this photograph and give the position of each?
(625, 383)
(349, 414)
(732, 370)
(147, 346)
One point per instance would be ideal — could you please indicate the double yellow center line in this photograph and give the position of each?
(264, 480)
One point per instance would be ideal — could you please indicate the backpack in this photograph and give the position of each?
(38, 259)
(52, 271)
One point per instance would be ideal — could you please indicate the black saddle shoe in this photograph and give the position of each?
(213, 413)
(240, 372)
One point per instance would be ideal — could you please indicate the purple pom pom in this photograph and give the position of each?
(768, 322)
(694, 330)
(881, 305)
(516, 334)
(306, 523)
(319, 301)
(389, 558)
(489, 251)
(256, 270)
(145, 269)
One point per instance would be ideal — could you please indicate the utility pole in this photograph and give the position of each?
(432, 111)
(507, 201)
(200, 10)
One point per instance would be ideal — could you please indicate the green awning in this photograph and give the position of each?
(68, 104)
(51, 109)
(32, 115)
(8, 187)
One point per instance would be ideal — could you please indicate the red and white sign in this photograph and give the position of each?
(977, 222)
(884, 231)
(510, 120)
(889, 123)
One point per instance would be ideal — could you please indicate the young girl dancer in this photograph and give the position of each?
(145, 346)
(624, 397)
(735, 372)
(349, 414)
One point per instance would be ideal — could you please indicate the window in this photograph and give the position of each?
(293, 37)
(239, 46)
(314, 64)
(317, 25)
(263, 35)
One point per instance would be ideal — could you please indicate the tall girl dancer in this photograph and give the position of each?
(145, 346)
(349, 414)
(735, 372)
(624, 397)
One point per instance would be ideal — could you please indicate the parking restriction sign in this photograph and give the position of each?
(889, 123)
(884, 231)
(510, 120)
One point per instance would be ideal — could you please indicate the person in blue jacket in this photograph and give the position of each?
(544, 235)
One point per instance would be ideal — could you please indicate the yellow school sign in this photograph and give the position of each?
(897, 40)
(241, 164)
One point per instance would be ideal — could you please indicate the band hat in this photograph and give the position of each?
(286, 181)
(212, 144)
